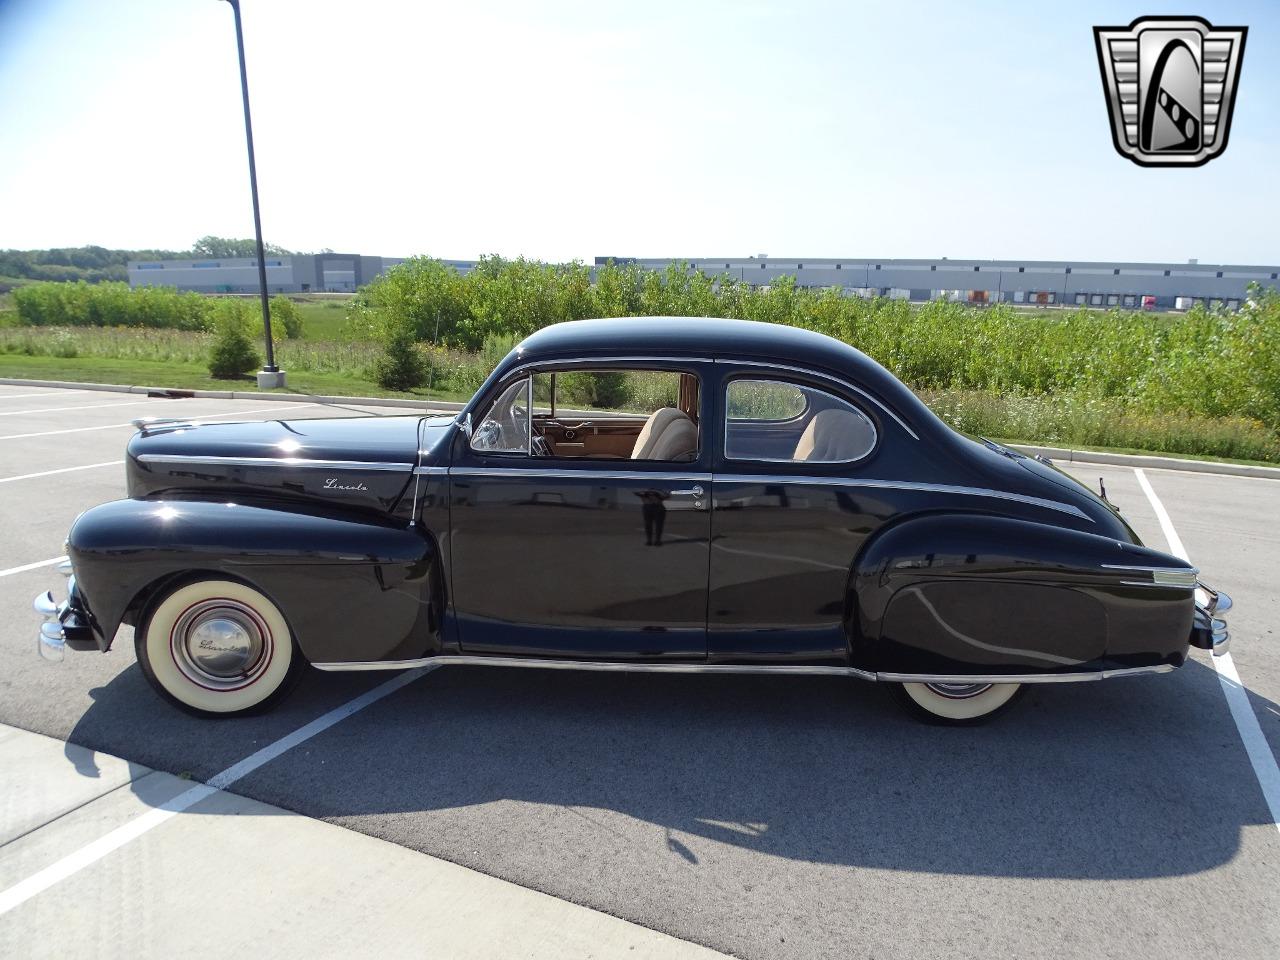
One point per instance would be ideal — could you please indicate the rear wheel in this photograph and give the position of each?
(217, 648)
(957, 704)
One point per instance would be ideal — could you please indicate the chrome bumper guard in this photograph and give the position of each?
(62, 624)
(1208, 629)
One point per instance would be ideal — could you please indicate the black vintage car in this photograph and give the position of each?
(665, 494)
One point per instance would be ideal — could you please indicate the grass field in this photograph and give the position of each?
(324, 319)
(194, 376)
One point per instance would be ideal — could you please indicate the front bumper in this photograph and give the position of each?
(1208, 629)
(62, 624)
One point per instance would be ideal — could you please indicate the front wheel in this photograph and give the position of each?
(217, 648)
(957, 704)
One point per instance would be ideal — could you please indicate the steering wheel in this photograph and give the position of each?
(510, 431)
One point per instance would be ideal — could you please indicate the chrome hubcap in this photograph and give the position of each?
(220, 644)
(958, 691)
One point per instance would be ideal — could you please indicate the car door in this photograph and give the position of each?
(576, 557)
(786, 528)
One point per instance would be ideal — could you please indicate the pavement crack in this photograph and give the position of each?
(79, 806)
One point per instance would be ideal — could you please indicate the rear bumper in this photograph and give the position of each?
(62, 624)
(1208, 628)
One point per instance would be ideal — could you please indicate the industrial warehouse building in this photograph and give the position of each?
(294, 273)
(1162, 286)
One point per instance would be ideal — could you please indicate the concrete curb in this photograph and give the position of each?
(240, 394)
(1155, 463)
(1053, 453)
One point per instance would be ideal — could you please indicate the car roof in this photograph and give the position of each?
(716, 338)
(705, 337)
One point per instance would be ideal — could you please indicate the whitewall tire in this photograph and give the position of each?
(217, 648)
(958, 703)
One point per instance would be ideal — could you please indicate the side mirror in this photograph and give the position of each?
(465, 424)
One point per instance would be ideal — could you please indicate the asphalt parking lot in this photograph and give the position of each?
(763, 817)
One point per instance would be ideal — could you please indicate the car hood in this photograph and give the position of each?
(362, 462)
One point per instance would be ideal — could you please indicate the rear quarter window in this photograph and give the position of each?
(780, 422)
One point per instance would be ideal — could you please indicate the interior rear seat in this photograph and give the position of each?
(834, 436)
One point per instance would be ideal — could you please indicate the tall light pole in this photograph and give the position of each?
(270, 375)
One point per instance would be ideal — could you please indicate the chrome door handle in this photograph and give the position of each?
(694, 491)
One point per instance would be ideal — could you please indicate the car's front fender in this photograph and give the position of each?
(351, 589)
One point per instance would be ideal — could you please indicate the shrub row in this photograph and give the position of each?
(163, 308)
(110, 305)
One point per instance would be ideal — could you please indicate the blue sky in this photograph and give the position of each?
(563, 130)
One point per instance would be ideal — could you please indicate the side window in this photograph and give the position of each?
(505, 428)
(775, 421)
(609, 414)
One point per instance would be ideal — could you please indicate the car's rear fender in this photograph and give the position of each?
(966, 594)
(350, 589)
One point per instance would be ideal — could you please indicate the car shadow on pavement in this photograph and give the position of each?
(1127, 778)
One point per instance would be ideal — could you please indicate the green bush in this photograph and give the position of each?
(232, 354)
(285, 318)
(82, 304)
(606, 390)
(401, 367)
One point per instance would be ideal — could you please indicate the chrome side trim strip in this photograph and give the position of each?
(528, 473)
(908, 485)
(1081, 677)
(599, 666)
(733, 668)
(1138, 671)
(1128, 566)
(1177, 570)
(533, 474)
(273, 462)
(1184, 577)
(431, 471)
(831, 379)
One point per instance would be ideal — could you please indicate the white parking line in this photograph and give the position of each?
(49, 473)
(89, 854)
(1255, 744)
(31, 566)
(52, 393)
(113, 426)
(86, 406)
(1190, 473)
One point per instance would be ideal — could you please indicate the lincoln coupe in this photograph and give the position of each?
(667, 494)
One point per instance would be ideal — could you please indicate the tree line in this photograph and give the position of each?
(95, 264)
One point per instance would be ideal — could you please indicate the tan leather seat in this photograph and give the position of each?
(679, 441)
(668, 434)
(835, 435)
